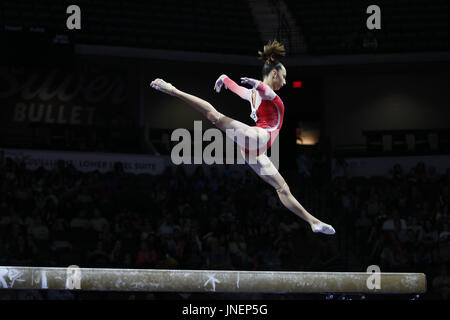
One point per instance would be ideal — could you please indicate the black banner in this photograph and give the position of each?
(92, 92)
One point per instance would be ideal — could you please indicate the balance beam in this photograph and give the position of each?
(94, 279)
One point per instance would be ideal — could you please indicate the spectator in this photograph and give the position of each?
(21, 253)
(217, 256)
(430, 235)
(238, 250)
(340, 169)
(60, 237)
(80, 222)
(441, 283)
(389, 224)
(145, 257)
(166, 227)
(373, 204)
(400, 224)
(302, 165)
(422, 257)
(432, 175)
(99, 257)
(370, 42)
(411, 242)
(444, 235)
(117, 255)
(351, 43)
(397, 174)
(400, 232)
(98, 222)
(39, 230)
(363, 223)
(414, 226)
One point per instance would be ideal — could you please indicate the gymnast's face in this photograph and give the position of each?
(278, 78)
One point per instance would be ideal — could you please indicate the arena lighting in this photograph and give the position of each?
(297, 84)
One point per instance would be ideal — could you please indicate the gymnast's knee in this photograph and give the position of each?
(283, 189)
(214, 116)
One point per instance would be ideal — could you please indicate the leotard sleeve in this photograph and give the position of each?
(266, 92)
(242, 92)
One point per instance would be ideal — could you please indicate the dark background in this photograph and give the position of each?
(88, 91)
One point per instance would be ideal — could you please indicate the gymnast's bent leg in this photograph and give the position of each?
(267, 171)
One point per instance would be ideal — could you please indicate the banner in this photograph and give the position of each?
(91, 92)
(381, 166)
(89, 161)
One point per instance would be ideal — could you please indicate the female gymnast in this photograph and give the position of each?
(267, 111)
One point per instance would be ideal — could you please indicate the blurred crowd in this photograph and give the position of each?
(399, 222)
(223, 218)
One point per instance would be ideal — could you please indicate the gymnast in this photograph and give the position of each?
(267, 111)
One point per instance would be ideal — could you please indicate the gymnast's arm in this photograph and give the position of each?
(264, 90)
(242, 92)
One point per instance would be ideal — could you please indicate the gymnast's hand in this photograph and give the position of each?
(252, 82)
(219, 83)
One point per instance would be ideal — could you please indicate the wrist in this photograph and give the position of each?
(225, 79)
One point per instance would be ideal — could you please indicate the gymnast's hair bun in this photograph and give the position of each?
(272, 50)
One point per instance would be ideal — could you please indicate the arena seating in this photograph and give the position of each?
(339, 27)
(193, 25)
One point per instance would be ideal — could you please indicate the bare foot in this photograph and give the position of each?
(161, 85)
(321, 227)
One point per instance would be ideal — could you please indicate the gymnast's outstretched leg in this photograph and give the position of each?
(260, 164)
(236, 130)
(264, 168)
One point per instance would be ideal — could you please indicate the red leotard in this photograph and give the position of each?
(267, 108)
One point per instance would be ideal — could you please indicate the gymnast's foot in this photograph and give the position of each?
(321, 227)
(161, 85)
